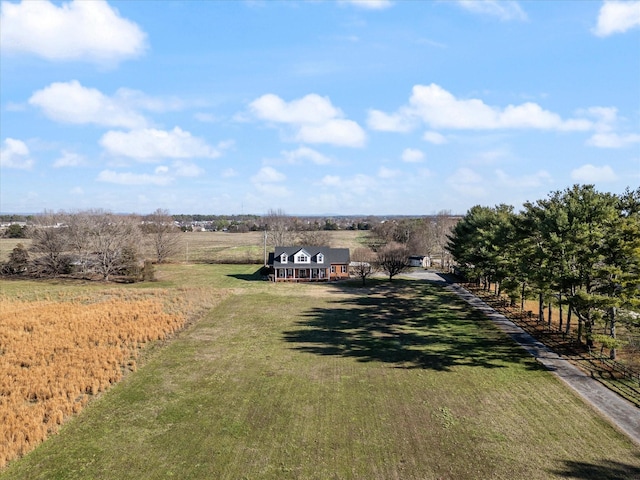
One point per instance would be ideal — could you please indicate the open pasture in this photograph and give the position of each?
(216, 247)
(316, 381)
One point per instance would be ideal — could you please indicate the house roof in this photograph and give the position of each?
(331, 256)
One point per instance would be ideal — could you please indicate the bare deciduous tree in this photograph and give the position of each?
(164, 236)
(363, 263)
(314, 238)
(393, 259)
(50, 240)
(279, 226)
(113, 239)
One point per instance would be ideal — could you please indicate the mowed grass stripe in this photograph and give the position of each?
(312, 381)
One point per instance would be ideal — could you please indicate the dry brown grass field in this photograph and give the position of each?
(57, 353)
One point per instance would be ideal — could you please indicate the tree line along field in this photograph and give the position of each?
(267, 380)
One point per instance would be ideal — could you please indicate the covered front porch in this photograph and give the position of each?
(301, 274)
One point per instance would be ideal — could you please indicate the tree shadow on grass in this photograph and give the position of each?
(603, 470)
(414, 324)
(256, 276)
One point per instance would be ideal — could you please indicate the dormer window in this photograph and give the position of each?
(302, 257)
(320, 258)
(284, 258)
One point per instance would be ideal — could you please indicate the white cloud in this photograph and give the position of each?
(76, 191)
(70, 102)
(268, 175)
(592, 174)
(438, 108)
(388, 173)
(331, 181)
(503, 9)
(149, 144)
(617, 17)
(467, 182)
(79, 30)
(269, 182)
(306, 153)
(128, 178)
(310, 109)
(69, 159)
(15, 154)
(537, 179)
(397, 122)
(313, 118)
(341, 132)
(435, 138)
(187, 169)
(369, 4)
(613, 140)
(412, 155)
(361, 184)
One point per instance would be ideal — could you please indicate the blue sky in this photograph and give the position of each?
(314, 107)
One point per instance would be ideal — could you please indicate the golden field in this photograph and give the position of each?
(55, 354)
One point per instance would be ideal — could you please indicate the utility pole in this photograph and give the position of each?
(265, 247)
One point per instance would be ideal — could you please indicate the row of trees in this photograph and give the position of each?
(578, 249)
(95, 243)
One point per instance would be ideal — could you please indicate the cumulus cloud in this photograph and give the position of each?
(388, 173)
(468, 182)
(617, 17)
(437, 108)
(69, 159)
(505, 10)
(15, 154)
(591, 174)
(149, 144)
(159, 178)
(306, 153)
(537, 179)
(331, 181)
(613, 140)
(187, 169)
(369, 4)
(396, 122)
(313, 119)
(435, 138)
(70, 102)
(412, 155)
(269, 181)
(78, 30)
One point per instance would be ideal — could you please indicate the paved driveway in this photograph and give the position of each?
(622, 413)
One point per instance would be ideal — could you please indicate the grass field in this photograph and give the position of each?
(217, 247)
(320, 381)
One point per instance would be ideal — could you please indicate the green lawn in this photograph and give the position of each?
(279, 381)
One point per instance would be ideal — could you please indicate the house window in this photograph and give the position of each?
(302, 257)
(333, 269)
(320, 258)
(343, 268)
(284, 258)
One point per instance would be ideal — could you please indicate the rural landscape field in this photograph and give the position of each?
(212, 372)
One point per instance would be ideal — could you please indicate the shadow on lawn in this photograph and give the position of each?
(603, 470)
(414, 324)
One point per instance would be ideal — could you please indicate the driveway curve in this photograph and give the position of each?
(620, 412)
